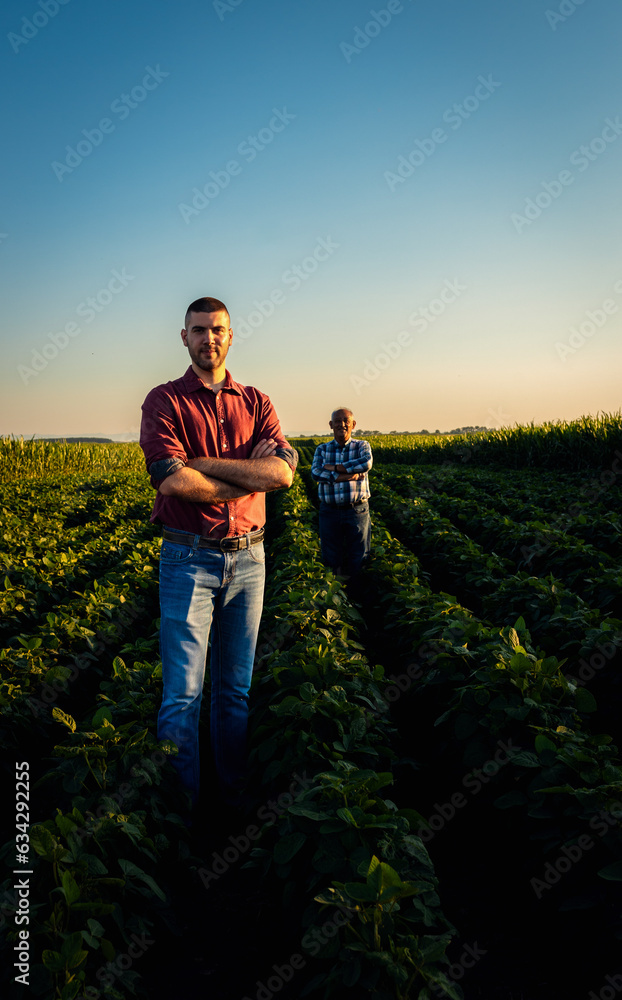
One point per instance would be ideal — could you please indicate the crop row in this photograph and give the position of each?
(60, 533)
(540, 548)
(562, 496)
(79, 574)
(319, 709)
(341, 845)
(98, 883)
(97, 863)
(581, 535)
(463, 690)
(587, 442)
(39, 459)
(577, 444)
(67, 528)
(556, 616)
(463, 685)
(38, 667)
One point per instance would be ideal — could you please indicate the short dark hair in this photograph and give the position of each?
(205, 305)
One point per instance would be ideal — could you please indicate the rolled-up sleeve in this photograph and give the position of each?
(164, 453)
(164, 467)
(289, 455)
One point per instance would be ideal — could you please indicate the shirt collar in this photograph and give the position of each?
(192, 382)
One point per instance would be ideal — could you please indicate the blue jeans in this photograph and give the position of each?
(345, 536)
(200, 588)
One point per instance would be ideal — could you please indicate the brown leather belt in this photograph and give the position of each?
(223, 544)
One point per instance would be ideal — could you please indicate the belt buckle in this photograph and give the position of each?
(235, 544)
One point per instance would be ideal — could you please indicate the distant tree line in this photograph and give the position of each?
(368, 433)
(456, 430)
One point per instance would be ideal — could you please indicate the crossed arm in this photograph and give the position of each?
(215, 480)
(344, 475)
(355, 468)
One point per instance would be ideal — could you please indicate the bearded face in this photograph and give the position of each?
(208, 337)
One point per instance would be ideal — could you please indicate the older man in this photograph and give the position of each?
(340, 468)
(213, 449)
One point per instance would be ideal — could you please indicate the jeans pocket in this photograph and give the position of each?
(257, 553)
(175, 552)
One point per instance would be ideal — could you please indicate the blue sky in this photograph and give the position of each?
(410, 208)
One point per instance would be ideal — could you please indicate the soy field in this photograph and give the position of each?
(435, 800)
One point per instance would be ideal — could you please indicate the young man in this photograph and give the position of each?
(213, 449)
(340, 468)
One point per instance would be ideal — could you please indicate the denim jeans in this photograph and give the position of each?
(203, 590)
(345, 536)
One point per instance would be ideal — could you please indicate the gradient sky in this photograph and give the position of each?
(486, 281)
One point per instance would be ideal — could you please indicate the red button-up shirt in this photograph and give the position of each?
(186, 419)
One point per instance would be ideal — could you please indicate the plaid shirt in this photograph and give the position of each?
(355, 456)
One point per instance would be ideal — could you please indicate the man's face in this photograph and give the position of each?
(207, 337)
(342, 425)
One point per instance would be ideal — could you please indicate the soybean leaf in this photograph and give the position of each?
(61, 716)
(132, 871)
(612, 872)
(288, 846)
(70, 888)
